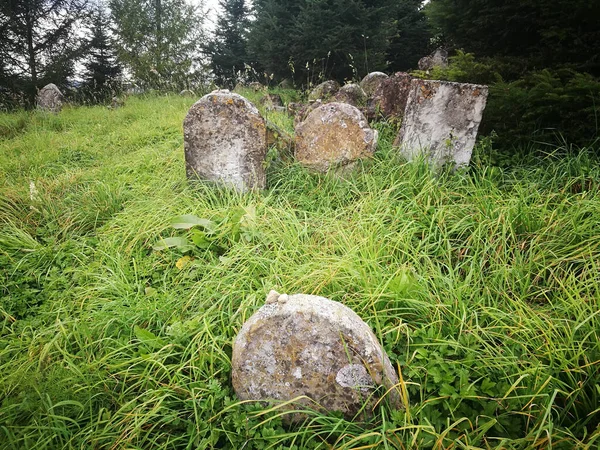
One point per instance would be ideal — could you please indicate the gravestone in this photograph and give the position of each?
(334, 136)
(324, 91)
(50, 98)
(370, 82)
(441, 121)
(390, 96)
(271, 101)
(305, 345)
(225, 140)
(352, 94)
(439, 58)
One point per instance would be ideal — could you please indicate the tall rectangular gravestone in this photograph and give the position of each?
(441, 121)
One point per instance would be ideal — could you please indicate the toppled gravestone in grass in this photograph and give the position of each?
(225, 140)
(334, 136)
(305, 345)
(390, 96)
(371, 81)
(50, 98)
(441, 121)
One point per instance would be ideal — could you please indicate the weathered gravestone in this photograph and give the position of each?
(439, 58)
(390, 96)
(324, 90)
(225, 140)
(352, 94)
(370, 82)
(334, 136)
(50, 98)
(304, 345)
(441, 121)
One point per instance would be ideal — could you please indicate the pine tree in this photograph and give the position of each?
(102, 70)
(37, 41)
(411, 38)
(339, 39)
(227, 51)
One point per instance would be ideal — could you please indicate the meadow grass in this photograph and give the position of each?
(482, 285)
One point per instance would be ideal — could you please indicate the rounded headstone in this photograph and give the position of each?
(439, 58)
(310, 346)
(50, 98)
(225, 140)
(370, 82)
(352, 94)
(334, 135)
(324, 90)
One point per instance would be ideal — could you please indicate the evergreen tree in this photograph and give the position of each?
(158, 40)
(339, 39)
(102, 69)
(37, 43)
(535, 33)
(227, 51)
(411, 38)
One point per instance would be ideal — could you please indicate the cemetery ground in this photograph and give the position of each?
(483, 286)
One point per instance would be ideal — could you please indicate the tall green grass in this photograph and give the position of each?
(483, 286)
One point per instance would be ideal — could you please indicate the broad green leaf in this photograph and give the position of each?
(148, 338)
(188, 221)
(180, 242)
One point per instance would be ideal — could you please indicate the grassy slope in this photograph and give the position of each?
(483, 287)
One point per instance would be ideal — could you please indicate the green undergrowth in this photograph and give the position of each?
(482, 285)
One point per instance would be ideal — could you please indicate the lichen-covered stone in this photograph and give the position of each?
(324, 91)
(50, 98)
(441, 121)
(390, 96)
(333, 136)
(370, 82)
(225, 140)
(352, 94)
(439, 58)
(309, 346)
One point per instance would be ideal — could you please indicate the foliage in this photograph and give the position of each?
(102, 69)
(38, 43)
(411, 37)
(334, 38)
(227, 50)
(482, 286)
(158, 40)
(541, 34)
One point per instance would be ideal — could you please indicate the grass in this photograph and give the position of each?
(483, 287)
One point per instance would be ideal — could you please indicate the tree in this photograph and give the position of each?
(102, 68)
(227, 51)
(537, 33)
(157, 39)
(38, 44)
(411, 38)
(339, 39)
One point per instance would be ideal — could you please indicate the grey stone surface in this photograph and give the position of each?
(334, 136)
(270, 101)
(370, 82)
(352, 94)
(439, 58)
(305, 345)
(225, 140)
(50, 98)
(324, 91)
(441, 121)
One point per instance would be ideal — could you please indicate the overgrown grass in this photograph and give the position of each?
(483, 287)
